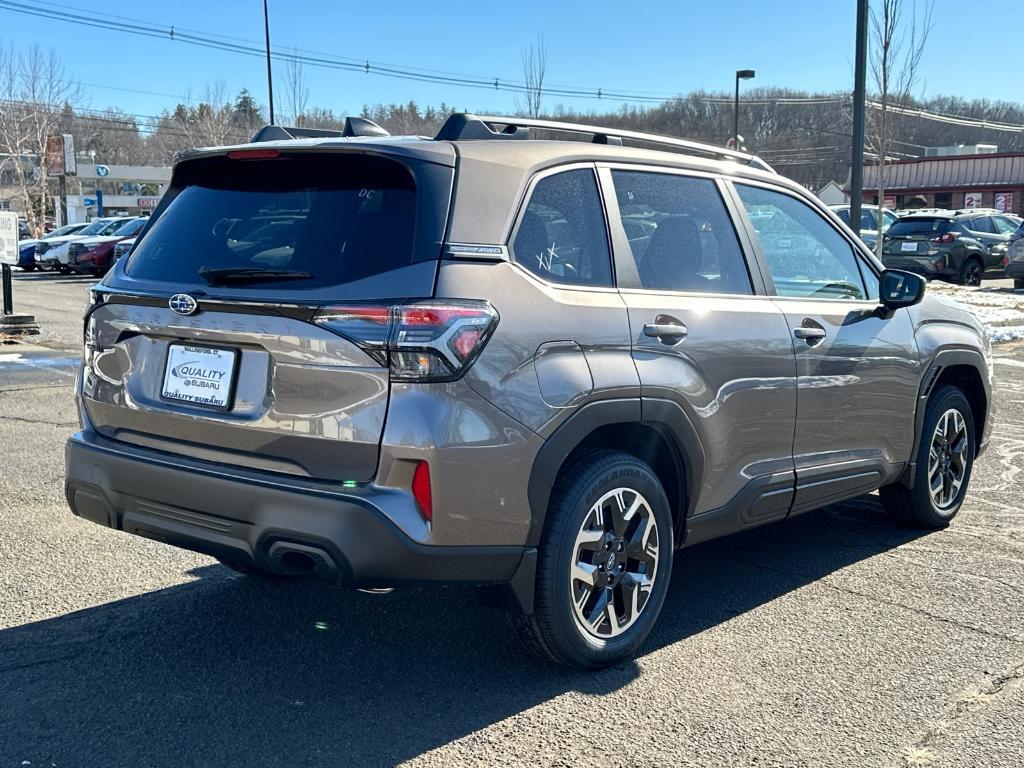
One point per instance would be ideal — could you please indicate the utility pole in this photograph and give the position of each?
(270, 76)
(859, 86)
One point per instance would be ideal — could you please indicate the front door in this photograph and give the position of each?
(707, 340)
(857, 367)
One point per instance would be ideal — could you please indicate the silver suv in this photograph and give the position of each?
(538, 366)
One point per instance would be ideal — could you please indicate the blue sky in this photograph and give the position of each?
(659, 46)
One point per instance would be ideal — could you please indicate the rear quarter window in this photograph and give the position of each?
(338, 218)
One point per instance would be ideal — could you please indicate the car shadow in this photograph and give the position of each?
(238, 671)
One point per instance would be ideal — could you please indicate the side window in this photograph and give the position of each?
(805, 255)
(680, 233)
(562, 236)
(1005, 224)
(982, 224)
(888, 219)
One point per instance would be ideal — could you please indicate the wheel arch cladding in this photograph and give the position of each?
(965, 370)
(666, 443)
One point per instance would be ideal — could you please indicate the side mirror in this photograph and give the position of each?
(898, 289)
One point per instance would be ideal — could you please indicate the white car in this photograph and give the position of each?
(53, 253)
(868, 220)
(122, 249)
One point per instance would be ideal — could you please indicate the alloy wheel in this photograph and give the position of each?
(615, 563)
(974, 273)
(947, 459)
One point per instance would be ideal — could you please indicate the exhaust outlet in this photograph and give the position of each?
(294, 559)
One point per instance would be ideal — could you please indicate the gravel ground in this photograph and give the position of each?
(834, 639)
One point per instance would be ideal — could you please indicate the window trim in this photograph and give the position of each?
(862, 257)
(524, 201)
(629, 277)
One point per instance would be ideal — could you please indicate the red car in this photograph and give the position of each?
(95, 254)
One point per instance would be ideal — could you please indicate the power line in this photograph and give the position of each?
(226, 44)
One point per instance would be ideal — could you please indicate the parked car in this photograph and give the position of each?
(417, 367)
(1015, 258)
(940, 246)
(95, 254)
(123, 248)
(993, 229)
(53, 253)
(27, 248)
(869, 224)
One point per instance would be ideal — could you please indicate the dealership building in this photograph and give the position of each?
(126, 190)
(987, 180)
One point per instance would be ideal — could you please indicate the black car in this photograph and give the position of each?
(941, 245)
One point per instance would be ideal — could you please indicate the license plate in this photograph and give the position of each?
(908, 247)
(203, 376)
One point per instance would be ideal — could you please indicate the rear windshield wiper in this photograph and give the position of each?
(250, 275)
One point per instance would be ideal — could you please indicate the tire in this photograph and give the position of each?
(29, 268)
(918, 507)
(1018, 283)
(971, 271)
(616, 481)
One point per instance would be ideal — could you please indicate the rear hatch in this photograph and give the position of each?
(203, 341)
(916, 236)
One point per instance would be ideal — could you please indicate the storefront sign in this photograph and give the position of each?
(972, 200)
(148, 202)
(1003, 201)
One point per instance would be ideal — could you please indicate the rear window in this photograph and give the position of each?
(310, 221)
(919, 226)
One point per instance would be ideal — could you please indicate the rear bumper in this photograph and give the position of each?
(925, 267)
(256, 519)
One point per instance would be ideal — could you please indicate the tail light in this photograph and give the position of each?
(946, 237)
(419, 341)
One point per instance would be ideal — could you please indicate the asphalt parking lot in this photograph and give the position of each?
(834, 639)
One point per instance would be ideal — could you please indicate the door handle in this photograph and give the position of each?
(809, 334)
(666, 333)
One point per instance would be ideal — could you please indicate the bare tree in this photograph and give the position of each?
(897, 44)
(34, 90)
(296, 94)
(535, 63)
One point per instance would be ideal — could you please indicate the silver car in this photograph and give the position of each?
(543, 367)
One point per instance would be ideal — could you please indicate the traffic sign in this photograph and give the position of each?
(89, 202)
(8, 237)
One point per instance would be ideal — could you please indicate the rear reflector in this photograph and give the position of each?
(421, 490)
(253, 154)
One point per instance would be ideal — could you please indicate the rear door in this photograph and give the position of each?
(706, 338)
(204, 344)
(985, 231)
(857, 369)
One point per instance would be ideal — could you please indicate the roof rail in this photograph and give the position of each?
(354, 126)
(464, 126)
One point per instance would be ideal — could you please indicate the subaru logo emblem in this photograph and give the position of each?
(183, 304)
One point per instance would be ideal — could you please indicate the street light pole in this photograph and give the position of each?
(859, 87)
(741, 74)
(270, 76)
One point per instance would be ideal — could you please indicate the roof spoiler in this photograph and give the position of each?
(354, 126)
(464, 126)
